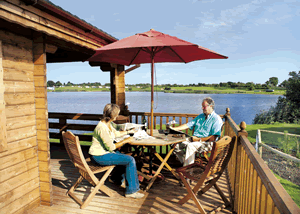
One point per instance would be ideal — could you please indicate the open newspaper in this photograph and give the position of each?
(172, 131)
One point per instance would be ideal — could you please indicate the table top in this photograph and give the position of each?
(159, 139)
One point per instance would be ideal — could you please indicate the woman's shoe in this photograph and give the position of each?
(135, 195)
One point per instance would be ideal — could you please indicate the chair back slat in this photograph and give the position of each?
(221, 154)
(73, 148)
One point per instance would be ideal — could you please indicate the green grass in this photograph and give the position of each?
(292, 189)
(185, 89)
(271, 138)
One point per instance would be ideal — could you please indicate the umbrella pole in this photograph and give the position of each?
(152, 92)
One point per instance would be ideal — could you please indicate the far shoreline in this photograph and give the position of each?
(179, 92)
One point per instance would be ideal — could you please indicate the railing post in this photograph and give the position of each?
(242, 132)
(226, 122)
(258, 147)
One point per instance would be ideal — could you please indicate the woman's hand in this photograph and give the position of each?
(123, 142)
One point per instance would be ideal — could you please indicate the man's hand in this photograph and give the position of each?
(179, 128)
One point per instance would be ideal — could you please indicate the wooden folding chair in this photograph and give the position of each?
(86, 168)
(206, 173)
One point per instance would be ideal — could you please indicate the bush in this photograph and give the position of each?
(287, 108)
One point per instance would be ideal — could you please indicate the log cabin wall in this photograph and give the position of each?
(32, 34)
(19, 173)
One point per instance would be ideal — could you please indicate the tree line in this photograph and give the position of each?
(271, 83)
(287, 109)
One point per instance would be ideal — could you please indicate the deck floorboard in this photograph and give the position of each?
(161, 198)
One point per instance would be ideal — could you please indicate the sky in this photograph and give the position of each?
(260, 37)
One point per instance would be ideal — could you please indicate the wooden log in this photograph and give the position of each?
(40, 81)
(40, 92)
(19, 192)
(45, 176)
(21, 202)
(10, 38)
(19, 180)
(21, 133)
(33, 204)
(41, 103)
(39, 70)
(42, 135)
(45, 187)
(12, 74)
(41, 114)
(44, 155)
(43, 145)
(44, 166)
(18, 87)
(16, 146)
(20, 122)
(12, 51)
(18, 169)
(20, 110)
(42, 124)
(18, 157)
(11, 63)
(19, 98)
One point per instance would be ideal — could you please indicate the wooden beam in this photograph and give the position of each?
(51, 48)
(41, 113)
(132, 68)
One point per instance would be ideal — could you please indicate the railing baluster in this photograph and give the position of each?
(186, 121)
(160, 122)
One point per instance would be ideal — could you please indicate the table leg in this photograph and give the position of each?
(164, 162)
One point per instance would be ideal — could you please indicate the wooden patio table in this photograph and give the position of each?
(159, 140)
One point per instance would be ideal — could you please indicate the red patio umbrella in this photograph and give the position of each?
(149, 47)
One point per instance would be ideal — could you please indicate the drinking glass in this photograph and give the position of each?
(166, 132)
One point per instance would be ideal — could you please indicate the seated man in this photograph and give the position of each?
(207, 126)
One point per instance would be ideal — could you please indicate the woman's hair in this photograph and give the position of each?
(210, 102)
(110, 111)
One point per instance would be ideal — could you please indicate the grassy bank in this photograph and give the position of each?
(194, 90)
(270, 138)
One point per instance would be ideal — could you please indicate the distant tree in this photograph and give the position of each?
(273, 81)
(283, 84)
(50, 83)
(167, 88)
(69, 83)
(58, 84)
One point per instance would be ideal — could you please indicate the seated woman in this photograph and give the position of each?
(102, 152)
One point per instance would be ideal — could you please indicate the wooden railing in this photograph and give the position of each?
(65, 121)
(253, 187)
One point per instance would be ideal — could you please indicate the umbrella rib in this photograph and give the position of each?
(177, 54)
(135, 56)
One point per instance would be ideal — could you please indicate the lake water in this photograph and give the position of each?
(243, 107)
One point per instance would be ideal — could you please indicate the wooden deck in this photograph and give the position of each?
(161, 198)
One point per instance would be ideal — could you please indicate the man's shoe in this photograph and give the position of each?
(135, 195)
